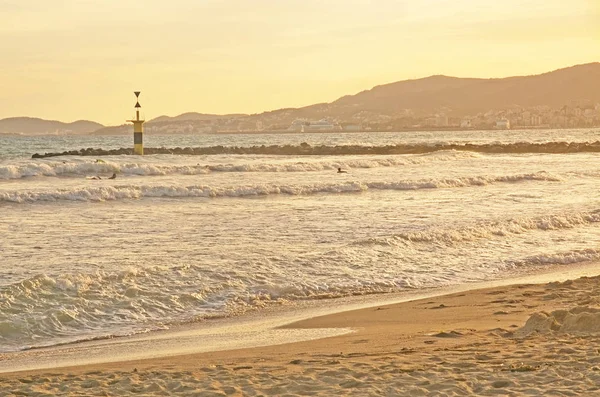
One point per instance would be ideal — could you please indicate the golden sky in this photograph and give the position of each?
(81, 59)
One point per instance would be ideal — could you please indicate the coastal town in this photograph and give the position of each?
(326, 120)
(579, 116)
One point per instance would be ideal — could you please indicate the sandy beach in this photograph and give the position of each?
(523, 339)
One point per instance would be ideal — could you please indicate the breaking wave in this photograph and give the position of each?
(488, 230)
(72, 307)
(79, 168)
(119, 192)
(560, 258)
(46, 310)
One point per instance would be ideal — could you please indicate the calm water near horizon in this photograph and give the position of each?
(15, 146)
(175, 239)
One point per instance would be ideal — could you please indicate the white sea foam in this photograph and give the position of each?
(158, 167)
(45, 310)
(73, 307)
(118, 192)
(76, 271)
(499, 229)
(559, 258)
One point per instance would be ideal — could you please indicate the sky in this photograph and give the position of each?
(69, 60)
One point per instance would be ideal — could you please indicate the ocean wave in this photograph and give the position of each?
(306, 149)
(119, 192)
(46, 310)
(79, 168)
(488, 230)
(54, 169)
(559, 258)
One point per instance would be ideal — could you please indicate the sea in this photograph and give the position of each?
(182, 239)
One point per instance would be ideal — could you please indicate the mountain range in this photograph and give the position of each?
(462, 96)
(454, 96)
(36, 126)
(196, 116)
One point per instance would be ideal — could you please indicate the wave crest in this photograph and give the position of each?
(34, 168)
(487, 230)
(119, 192)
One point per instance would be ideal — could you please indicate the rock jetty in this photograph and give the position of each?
(306, 149)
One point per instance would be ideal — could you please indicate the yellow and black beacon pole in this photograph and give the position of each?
(138, 128)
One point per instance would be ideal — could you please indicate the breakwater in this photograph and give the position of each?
(306, 149)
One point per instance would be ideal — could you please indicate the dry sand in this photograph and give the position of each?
(517, 340)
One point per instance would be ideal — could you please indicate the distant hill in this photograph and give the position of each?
(35, 126)
(417, 99)
(576, 84)
(193, 116)
(184, 123)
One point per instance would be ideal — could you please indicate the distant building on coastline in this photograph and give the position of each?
(441, 120)
(536, 120)
(466, 123)
(503, 124)
(302, 125)
(297, 125)
(352, 127)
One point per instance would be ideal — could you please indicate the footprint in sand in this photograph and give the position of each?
(498, 301)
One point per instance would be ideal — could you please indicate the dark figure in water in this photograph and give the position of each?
(114, 176)
(340, 171)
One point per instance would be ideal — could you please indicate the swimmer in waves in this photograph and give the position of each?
(98, 177)
(341, 171)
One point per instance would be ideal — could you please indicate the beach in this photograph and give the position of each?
(270, 198)
(519, 339)
(273, 274)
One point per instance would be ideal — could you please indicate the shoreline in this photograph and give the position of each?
(474, 342)
(257, 330)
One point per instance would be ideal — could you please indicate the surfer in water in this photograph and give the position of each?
(97, 177)
(341, 171)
